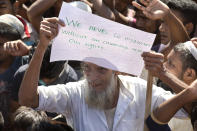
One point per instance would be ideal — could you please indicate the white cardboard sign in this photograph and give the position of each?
(88, 37)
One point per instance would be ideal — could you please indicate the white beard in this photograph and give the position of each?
(102, 99)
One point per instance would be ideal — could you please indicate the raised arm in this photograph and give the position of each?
(107, 10)
(167, 110)
(28, 95)
(157, 10)
(37, 9)
(103, 10)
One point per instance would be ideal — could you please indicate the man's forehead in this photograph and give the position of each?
(178, 14)
(90, 64)
(175, 56)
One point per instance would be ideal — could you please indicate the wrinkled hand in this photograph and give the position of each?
(154, 63)
(49, 30)
(16, 48)
(153, 9)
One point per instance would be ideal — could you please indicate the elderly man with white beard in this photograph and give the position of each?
(103, 101)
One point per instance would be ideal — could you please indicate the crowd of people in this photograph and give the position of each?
(39, 95)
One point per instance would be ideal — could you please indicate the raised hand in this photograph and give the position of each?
(153, 9)
(154, 63)
(49, 30)
(16, 48)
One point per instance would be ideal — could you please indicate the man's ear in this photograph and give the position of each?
(189, 27)
(189, 75)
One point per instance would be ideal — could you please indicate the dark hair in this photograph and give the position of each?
(188, 9)
(187, 58)
(46, 126)
(26, 117)
(12, 1)
(1, 122)
(50, 69)
(8, 32)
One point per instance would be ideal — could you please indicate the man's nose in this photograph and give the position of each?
(93, 75)
(161, 27)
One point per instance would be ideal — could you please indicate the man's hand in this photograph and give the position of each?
(154, 63)
(193, 88)
(194, 41)
(49, 30)
(16, 48)
(153, 9)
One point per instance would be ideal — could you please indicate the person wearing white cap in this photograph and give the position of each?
(181, 64)
(188, 96)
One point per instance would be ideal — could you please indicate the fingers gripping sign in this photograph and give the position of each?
(49, 29)
(154, 62)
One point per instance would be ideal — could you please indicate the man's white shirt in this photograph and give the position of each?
(129, 115)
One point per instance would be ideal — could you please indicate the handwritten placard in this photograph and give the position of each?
(91, 38)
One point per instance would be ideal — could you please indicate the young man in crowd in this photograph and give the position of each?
(8, 63)
(186, 12)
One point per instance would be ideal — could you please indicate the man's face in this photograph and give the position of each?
(164, 33)
(97, 77)
(164, 30)
(174, 64)
(145, 24)
(5, 7)
(101, 85)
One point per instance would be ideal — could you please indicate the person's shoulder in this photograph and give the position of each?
(70, 86)
(132, 80)
(136, 83)
(77, 84)
(133, 84)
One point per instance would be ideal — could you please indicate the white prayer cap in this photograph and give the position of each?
(191, 47)
(81, 5)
